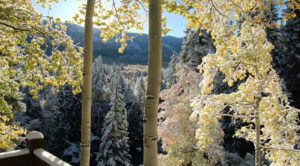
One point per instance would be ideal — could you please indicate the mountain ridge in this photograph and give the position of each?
(136, 51)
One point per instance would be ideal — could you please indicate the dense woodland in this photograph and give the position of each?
(229, 92)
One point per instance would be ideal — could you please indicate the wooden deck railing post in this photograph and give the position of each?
(33, 155)
(34, 140)
(24, 157)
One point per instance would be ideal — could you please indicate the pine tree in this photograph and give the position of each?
(114, 148)
(170, 74)
(195, 47)
(139, 90)
(291, 59)
(276, 37)
(69, 108)
(101, 79)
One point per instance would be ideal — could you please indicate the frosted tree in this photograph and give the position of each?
(101, 79)
(242, 53)
(69, 107)
(175, 130)
(114, 148)
(170, 74)
(31, 57)
(139, 90)
(195, 47)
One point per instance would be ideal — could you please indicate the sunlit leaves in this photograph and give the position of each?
(46, 3)
(35, 51)
(243, 56)
(178, 132)
(116, 18)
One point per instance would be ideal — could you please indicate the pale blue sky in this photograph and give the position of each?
(65, 10)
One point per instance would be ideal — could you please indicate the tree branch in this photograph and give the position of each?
(280, 148)
(237, 116)
(213, 5)
(143, 6)
(14, 27)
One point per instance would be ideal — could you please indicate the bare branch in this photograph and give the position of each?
(14, 27)
(280, 148)
(237, 116)
(117, 14)
(213, 5)
(143, 6)
(238, 6)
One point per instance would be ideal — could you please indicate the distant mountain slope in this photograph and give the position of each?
(135, 53)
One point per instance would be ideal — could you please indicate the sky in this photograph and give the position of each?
(65, 10)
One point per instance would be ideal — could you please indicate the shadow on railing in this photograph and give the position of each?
(33, 155)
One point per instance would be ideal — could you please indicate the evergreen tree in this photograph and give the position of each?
(139, 90)
(135, 99)
(114, 148)
(291, 59)
(170, 77)
(276, 37)
(69, 108)
(135, 128)
(59, 115)
(195, 47)
(101, 79)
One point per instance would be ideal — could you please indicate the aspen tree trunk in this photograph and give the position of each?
(87, 86)
(257, 129)
(154, 83)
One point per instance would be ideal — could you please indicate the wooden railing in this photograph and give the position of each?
(33, 155)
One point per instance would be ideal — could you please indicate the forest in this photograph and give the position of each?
(101, 94)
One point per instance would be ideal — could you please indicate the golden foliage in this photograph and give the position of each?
(242, 53)
(26, 40)
(115, 19)
(177, 131)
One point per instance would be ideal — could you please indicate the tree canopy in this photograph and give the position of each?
(243, 56)
(35, 52)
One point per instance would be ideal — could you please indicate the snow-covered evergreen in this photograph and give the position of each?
(170, 73)
(114, 147)
(195, 47)
(139, 89)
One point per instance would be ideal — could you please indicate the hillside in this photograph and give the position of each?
(135, 53)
